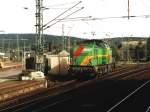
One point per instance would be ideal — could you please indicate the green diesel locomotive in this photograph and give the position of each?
(91, 58)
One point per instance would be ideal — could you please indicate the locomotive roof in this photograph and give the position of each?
(95, 41)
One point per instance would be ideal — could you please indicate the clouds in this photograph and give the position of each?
(16, 19)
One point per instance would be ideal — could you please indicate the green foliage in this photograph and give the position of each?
(57, 42)
(29, 40)
(148, 48)
(114, 52)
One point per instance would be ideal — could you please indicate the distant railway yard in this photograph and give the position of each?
(125, 89)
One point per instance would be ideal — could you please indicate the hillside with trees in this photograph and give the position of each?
(20, 42)
(29, 41)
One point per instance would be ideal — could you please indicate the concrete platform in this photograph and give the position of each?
(9, 75)
(10, 71)
(10, 65)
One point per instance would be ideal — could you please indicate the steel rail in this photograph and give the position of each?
(44, 94)
(139, 72)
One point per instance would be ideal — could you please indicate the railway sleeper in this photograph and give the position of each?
(104, 69)
(20, 91)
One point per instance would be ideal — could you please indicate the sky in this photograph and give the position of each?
(18, 16)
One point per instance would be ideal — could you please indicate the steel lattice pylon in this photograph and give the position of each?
(39, 35)
(39, 26)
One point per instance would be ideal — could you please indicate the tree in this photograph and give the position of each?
(148, 48)
(140, 51)
(115, 52)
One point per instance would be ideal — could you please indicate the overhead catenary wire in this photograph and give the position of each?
(76, 18)
(142, 16)
(62, 14)
(103, 18)
(63, 4)
(63, 18)
(61, 8)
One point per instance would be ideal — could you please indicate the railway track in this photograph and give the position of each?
(54, 94)
(129, 73)
(14, 89)
(36, 97)
(137, 85)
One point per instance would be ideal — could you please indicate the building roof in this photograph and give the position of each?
(63, 53)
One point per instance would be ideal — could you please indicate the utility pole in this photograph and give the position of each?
(128, 9)
(3, 44)
(63, 37)
(39, 35)
(9, 48)
(145, 49)
(68, 41)
(18, 49)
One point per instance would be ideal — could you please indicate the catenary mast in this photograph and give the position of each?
(39, 34)
(39, 26)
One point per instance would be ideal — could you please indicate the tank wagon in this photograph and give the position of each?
(91, 58)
